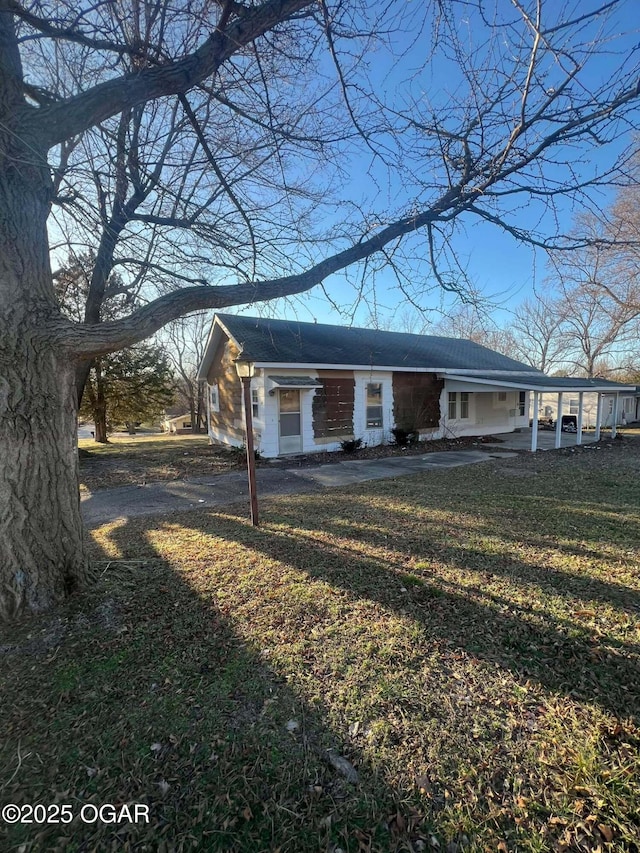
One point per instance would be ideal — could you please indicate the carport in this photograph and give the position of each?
(538, 383)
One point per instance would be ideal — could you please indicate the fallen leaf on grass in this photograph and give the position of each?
(397, 823)
(606, 831)
(344, 767)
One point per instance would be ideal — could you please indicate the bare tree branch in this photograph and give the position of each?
(57, 122)
(89, 340)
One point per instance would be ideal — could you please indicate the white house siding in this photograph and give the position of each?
(362, 379)
(488, 415)
(260, 432)
(267, 427)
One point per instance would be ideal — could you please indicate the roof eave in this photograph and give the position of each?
(217, 328)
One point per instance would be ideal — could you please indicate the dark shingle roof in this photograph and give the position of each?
(291, 342)
(536, 381)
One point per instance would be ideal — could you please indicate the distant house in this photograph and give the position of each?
(176, 422)
(315, 386)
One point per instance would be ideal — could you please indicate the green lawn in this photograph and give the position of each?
(468, 640)
(131, 445)
(129, 461)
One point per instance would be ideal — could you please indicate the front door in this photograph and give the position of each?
(290, 421)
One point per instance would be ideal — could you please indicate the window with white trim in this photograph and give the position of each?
(214, 398)
(255, 403)
(459, 405)
(573, 406)
(374, 405)
(453, 405)
(501, 396)
(464, 405)
(522, 399)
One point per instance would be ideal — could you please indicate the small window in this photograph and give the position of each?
(255, 403)
(573, 407)
(214, 399)
(522, 399)
(502, 396)
(374, 405)
(186, 424)
(464, 405)
(453, 405)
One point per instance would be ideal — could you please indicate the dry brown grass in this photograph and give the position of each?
(467, 639)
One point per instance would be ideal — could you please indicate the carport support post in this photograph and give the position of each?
(598, 418)
(559, 421)
(614, 416)
(534, 425)
(580, 411)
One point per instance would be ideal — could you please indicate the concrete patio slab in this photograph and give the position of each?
(361, 470)
(546, 440)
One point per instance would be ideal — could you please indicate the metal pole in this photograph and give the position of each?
(534, 425)
(558, 442)
(614, 417)
(251, 458)
(580, 412)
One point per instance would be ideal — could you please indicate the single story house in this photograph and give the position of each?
(315, 386)
(176, 422)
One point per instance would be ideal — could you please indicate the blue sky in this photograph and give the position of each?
(497, 266)
(414, 82)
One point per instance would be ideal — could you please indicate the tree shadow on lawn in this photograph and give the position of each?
(570, 660)
(159, 694)
(418, 533)
(143, 691)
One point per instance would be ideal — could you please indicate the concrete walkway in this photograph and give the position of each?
(157, 498)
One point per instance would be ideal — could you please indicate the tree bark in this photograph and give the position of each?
(97, 403)
(100, 423)
(42, 553)
(100, 406)
(41, 536)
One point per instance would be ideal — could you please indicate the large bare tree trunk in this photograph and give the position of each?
(41, 537)
(42, 555)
